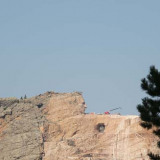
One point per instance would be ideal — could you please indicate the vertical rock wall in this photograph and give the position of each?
(20, 135)
(54, 126)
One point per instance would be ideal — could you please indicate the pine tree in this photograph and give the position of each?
(150, 108)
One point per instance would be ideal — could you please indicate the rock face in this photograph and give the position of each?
(54, 126)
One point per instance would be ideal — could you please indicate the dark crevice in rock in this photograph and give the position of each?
(40, 105)
(100, 127)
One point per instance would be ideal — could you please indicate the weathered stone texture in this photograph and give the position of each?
(20, 136)
(54, 126)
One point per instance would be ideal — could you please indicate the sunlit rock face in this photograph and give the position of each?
(54, 126)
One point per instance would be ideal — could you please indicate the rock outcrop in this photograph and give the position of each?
(54, 126)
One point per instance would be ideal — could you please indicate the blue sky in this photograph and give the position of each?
(100, 47)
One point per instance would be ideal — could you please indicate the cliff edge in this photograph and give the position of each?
(54, 126)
